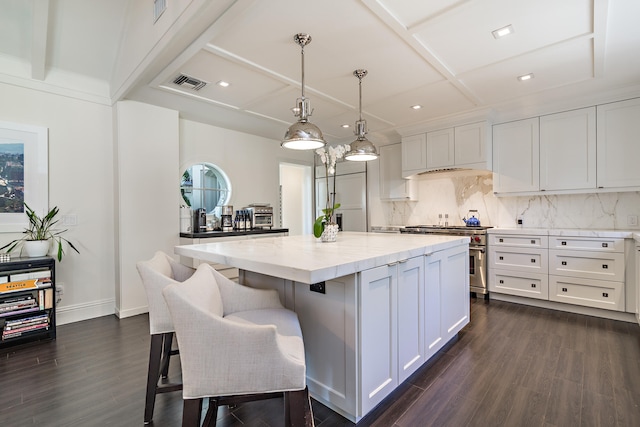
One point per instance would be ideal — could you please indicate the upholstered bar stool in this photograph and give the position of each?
(156, 273)
(236, 344)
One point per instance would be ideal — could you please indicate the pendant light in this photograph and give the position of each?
(361, 149)
(303, 135)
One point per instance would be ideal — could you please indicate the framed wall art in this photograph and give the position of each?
(24, 174)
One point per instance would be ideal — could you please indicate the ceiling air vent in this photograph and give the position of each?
(190, 82)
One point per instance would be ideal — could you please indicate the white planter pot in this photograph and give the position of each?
(36, 248)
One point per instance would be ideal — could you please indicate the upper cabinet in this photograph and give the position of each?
(392, 185)
(516, 156)
(440, 149)
(578, 151)
(618, 144)
(460, 147)
(414, 155)
(473, 146)
(568, 150)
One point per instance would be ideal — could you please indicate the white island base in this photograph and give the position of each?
(367, 331)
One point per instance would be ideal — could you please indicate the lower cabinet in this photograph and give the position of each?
(366, 333)
(585, 271)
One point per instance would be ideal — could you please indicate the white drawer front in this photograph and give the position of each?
(532, 260)
(532, 285)
(590, 265)
(518, 241)
(587, 292)
(587, 244)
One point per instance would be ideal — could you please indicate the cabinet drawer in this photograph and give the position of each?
(586, 244)
(589, 265)
(532, 285)
(518, 241)
(587, 292)
(519, 259)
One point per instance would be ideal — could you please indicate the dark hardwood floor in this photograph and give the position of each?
(513, 365)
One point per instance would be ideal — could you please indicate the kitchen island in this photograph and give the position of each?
(373, 307)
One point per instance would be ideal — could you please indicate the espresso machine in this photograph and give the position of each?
(200, 220)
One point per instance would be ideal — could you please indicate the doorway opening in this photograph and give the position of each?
(296, 198)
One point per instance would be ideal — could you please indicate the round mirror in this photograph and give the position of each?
(204, 185)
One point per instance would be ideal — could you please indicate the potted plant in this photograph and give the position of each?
(39, 232)
(324, 226)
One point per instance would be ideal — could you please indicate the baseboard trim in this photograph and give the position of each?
(79, 312)
(131, 312)
(589, 311)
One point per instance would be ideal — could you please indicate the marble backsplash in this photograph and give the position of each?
(455, 193)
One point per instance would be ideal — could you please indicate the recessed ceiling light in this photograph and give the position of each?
(525, 77)
(222, 83)
(416, 107)
(501, 32)
(345, 126)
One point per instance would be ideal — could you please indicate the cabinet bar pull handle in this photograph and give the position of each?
(564, 289)
(606, 295)
(533, 285)
(605, 245)
(501, 258)
(501, 281)
(533, 242)
(564, 262)
(533, 260)
(563, 243)
(501, 240)
(605, 266)
(391, 264)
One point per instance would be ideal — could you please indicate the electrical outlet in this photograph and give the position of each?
(632, 220)
(69, 219)
(59, 292)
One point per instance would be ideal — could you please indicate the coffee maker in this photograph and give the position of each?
(200, 220)
(227, 218)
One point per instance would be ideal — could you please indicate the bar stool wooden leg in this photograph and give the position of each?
(191, 411)
(155, 358)
(166, 353)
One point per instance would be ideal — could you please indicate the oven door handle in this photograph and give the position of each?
(481, 250)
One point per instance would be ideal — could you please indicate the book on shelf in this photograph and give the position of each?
(25, 285)
(4, 279)
(23, 320)
(18, 332)
(29, 275)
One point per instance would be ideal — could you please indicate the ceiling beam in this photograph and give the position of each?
(39, 32)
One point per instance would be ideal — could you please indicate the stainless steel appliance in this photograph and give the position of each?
(477, 250)
(261, 215)
(227, 218)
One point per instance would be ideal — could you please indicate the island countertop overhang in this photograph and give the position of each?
(308, 260)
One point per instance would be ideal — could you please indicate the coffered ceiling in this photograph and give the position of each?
(440, 55)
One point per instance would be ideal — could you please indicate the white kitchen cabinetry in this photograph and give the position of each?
(587, 271)
(638, 280)
(473, 146)
(392, 185)
(464, 147)
(568, 150)
(446, 297)
(440, 149)
(618, 148)
(414, 155)
(411, 297)
(516, 156)
(518, 265)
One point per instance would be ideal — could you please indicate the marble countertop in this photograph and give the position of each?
(621, 234)
(308, 260)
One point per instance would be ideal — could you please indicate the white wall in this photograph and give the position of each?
(80, 183)
(250, 162)
(296, 187)
(147, 197)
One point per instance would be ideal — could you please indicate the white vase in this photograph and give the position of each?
(35, 248)
(330, 233)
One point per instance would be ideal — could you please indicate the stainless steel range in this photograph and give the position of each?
(477, 250)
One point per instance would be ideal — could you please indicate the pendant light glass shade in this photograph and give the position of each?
(303, 135)
(362, 149)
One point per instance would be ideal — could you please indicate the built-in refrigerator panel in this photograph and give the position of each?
(351, 193)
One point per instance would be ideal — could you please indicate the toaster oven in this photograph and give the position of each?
(261, 216)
